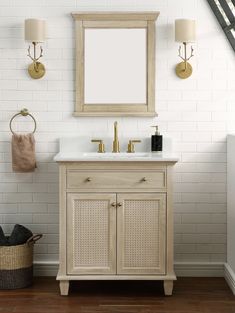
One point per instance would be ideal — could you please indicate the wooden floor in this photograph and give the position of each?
(191, 295)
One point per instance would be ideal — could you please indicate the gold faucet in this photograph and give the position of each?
(131, 147)
(116, 142)
(101, 148)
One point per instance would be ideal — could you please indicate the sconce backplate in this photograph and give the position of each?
(36, 70)
(182, 72)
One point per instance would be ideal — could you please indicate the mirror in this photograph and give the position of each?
(115, 64)
(116, 72)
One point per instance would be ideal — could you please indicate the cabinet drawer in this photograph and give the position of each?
(116, 179)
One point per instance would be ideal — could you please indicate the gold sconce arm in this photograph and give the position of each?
(36, 69)
(184, 69)
(34, 59)
(184, 58)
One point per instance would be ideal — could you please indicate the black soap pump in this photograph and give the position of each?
(156, 141)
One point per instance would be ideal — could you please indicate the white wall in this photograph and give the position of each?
(230, 201)
(197, 113)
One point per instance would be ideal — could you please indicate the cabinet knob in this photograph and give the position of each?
(113, 204)
(88, 179)
(119, 204)
(144, 179)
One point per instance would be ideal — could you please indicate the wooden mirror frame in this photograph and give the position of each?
(85, 20)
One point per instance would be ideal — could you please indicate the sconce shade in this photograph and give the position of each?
(35, 30)
(185, 30)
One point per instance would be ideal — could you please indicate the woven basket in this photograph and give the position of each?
(16, 264)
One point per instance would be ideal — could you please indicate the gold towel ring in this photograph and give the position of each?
(23, 112)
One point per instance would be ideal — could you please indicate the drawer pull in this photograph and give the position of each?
(119, 204)
(88, 179)
(144, 179)
(113, 204)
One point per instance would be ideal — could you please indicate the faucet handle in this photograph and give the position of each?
(101, 148)
(131, 146)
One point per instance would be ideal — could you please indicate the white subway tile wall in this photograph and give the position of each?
(197, 113)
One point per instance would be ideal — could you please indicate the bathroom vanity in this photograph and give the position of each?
(116, 218)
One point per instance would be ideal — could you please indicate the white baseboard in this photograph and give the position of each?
(45, 268)
(199, 269)
(183, 269)
(229, 275)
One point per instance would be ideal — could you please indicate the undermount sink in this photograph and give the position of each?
(116, 155)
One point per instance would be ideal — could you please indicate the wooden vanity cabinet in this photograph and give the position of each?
(116, 222)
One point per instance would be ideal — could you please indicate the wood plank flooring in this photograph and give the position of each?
(191, 295)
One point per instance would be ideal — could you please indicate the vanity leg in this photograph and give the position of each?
(64, 287)
(168, 287)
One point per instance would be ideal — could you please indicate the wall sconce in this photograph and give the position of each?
(35, 32)
(185, 32)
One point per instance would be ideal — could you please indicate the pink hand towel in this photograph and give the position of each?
(23, 153)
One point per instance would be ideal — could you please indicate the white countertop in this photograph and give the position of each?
(116, 157)
(72, 149)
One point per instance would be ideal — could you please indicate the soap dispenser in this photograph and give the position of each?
(156, 141)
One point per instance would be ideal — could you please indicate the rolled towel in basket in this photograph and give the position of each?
(3, 238)
(19, 236)
(23, 153)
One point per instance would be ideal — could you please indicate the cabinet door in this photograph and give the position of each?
(91, 233)
(141, 233)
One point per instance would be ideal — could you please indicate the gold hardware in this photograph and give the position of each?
(116, 148)
(23, 112)
(184, 69)
(113, 204)
(88, 179)
(101, 148)
(131, 147)
(144, 179)
(119, 204)
(36, 69)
